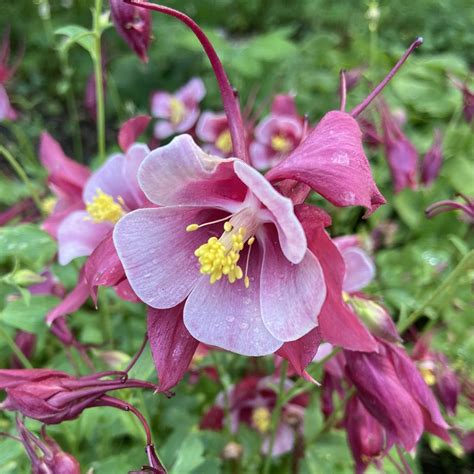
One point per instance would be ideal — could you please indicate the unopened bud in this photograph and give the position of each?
(232, 450)
(26, 278)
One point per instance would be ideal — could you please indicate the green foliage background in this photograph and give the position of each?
(267, 46)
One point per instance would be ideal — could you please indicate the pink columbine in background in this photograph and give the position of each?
(7, 112)
(252, 265)
(251, 402)
(213, 130)
(431, 164)
(278, 134)
(178, 112)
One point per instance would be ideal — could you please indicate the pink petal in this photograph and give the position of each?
(171, 345)
(290, 232)
(131, 130)
(189, 119)
(163, 129)
(272, 125)
(60, 168)
(193, 92)
(337, 324)
(332, 161)
(360, 269)
(125, 292)
(284, 104)
(6, 111)
(180, 173)
(158, 254)
(291, 295)
(133, 159)
(78, 236)
(228, 315)
(210, 125)
(160, 104)
(261, 155)
(284, 440)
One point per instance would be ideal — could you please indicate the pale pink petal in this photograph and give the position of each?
(131, 130)
(210, 125)
(171, 345)
(360, 269)
(290, 232)
(158, 254)
(160, 104)
(78, 236)
(261, 155)
(227, 315)
(324, 350)
(5, 106)
(284, 440)
(189, 119)
(291, 295)
(180, 173)
(163, 129)
(133, 159)
(193, 92)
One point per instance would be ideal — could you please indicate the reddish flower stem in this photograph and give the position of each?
(363, 105)
(137, 355)
(229, 99)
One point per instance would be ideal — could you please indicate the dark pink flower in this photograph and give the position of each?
(252, 401)
(108, 194)
(270, 290)
(66, 179)
(431, 164)
(402, 156)
(213, 130)
(133, 24)
(7, 112)
(178, 112)
(278, 134)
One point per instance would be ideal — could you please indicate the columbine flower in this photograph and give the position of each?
(7, 112)
(133, 24)
(179, 111)
(108, 194)
(278, 134)
(224, 240)
(213, 130)
(401, 154)
(431, 165)
(252, 401)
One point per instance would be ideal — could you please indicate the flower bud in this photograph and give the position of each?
(232, 450)
(26, 342)
(26, 278)
(133, 24)
(432, 162)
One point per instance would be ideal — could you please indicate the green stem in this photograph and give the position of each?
(224, 379)
(276, 415)
(97, 60)
(466, 264)
(25, 145)
(15, 349)
(23, 176)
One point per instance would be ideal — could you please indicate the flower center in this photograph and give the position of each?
(224, 142)
(177, 111)
(261, 418)
(48, 204)
(428, 375)
(104, 208)
(218, 257)
(281, 143)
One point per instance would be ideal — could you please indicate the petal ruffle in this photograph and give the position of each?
(228, 315)
(180, 173)
(291, 295)
(332, 161)
(158, 254)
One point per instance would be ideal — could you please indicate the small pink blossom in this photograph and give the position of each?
(213, 130)
(178, 112)
(278, 134)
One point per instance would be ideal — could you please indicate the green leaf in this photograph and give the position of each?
(28, 317)
(190, 455)
(77, 35)
(460, 173)
(28, 243)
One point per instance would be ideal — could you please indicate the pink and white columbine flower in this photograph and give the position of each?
(108, 194)
(179, 111)
(225, 240)
(213, 130)
(278, 134)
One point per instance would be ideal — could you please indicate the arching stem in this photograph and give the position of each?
(363, 105)
(229, 99)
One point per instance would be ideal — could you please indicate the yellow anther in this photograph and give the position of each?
(228, 226)
(177, 111)
(428, 375)
(251, 241)
(104, 208)
(261, 419)
(192, 227)
(247, 282)
(346, 297)
(224, 142)
(281, 144)
(48, 204)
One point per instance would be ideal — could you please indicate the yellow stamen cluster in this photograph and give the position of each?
(217, 260)
(104, 208)
(48, 204)
(428, 375)
(224, 142)
(177, 111)
(281, 144)
(261, 418)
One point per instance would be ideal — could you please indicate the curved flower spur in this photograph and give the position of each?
(225, 241)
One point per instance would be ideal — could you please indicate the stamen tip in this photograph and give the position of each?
(419, 41)
(228, 226)
(247, 282)
(192, 227)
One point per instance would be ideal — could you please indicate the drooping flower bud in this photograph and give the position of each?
(432, 161)
(133, 24)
